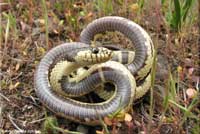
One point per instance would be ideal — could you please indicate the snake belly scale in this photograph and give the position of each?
(55, 91)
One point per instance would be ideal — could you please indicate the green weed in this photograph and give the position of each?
(114, 116)
(46, 23)
(59, 6)
(177, 15)
(11, 25)
(7, 30)
(50, 126)
(73, 21)
(103, 124)
(153, 75)
(104, 6)
(171, 101)
(72, 15)
(140, 3)
(196, 129)
(163, 2)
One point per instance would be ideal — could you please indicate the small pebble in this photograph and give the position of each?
(82, 129)
(191, 93)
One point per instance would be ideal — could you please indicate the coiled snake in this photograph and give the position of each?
(56, 89)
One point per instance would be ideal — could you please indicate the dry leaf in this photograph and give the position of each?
(134, 7)
(188, 62)
(176, 41)
(4, 5)
(142, 132)
(41, 50)
(11, 86)
(191, 93)
(41, 21)
(16, 84)
(99, 132)
(68, 13)
(128, 117)
(179, 69)
(90, 14)
(107, 121)
(55, 31)
(190, 71)
(78, 5)
(24, 26)
(17, 67)
(120, 116)
(24, 53)
(137, 123)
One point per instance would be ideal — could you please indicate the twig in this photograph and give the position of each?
(1, 109)
(35, 121)
(16, 77)
(197, 85)
(46, 22)
(33, 99)
(6, 34)
(15, 59)
(143, 126)
(2, 4)
(103, 124)
(6, 98)
(14, 124)
(65, 131)
(184, 96)
(144, 113)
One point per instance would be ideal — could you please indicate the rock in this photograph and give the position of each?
(191, 93)
(162, 70)
(82, 129)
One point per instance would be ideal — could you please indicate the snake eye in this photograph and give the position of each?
(95, 50)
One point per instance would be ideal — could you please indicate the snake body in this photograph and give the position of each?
(141, 41)
(52, 74)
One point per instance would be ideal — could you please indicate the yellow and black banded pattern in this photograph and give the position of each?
(55, 89)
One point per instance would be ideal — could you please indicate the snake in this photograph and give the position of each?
(123, 69)
(141, 41)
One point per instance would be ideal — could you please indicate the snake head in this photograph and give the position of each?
(93, 55)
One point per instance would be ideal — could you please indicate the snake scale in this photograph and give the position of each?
(128, 71)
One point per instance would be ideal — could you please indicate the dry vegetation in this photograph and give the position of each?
(30, 28)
